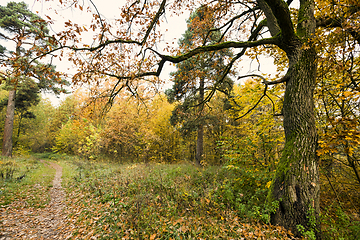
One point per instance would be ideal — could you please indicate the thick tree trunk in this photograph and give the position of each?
(9, 125)
(296, 184)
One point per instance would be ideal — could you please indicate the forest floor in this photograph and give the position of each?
(19, 221)
(65, 197)
(60, 198)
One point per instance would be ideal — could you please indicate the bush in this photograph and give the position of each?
(7, 168)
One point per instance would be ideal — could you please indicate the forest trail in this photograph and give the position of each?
(22, 222)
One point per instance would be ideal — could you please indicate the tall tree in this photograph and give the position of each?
(28, 32)
(28, 95)
(296, 184)
(194, 76)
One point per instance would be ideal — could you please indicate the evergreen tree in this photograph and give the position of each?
(28, 32)
(196, 76)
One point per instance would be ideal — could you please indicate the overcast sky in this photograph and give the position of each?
(109, 9)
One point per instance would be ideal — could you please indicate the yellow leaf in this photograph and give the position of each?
(347, 93)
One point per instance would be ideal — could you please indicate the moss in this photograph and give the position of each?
(283, 166)
(289, 155)
(303, 18)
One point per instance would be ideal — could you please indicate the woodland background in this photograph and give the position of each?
(107, 137)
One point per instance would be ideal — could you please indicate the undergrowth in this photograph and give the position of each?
(162, 201)
(340, 203)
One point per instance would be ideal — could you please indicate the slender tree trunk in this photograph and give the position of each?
(199, 144)
(9, 125)
(200, 132)
(19, 130)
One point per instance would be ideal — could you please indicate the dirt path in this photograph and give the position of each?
(22, 222)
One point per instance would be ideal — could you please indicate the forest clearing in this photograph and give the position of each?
(104, 200)
(134, 201)
(180, 119)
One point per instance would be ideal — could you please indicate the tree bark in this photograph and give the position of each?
(296, 185)
(200, 132)
(9, 125)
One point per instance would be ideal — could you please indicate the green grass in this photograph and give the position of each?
(29, 182)
(157, 201)
(165, 201)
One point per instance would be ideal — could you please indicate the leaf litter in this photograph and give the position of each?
(82, 215)
(19, 221)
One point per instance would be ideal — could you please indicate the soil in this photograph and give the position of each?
(22, 222)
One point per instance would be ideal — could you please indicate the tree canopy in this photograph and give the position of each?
(128, 50)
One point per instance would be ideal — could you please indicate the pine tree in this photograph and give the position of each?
(195, 78)
(28, 32)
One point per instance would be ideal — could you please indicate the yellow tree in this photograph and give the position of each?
(124, 135)
(75, 125)
(165, 144)
(337, 100)
(259, 134)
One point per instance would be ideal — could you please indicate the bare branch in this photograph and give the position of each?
(253, 36)
(281, 80)
(160, 11)
(230, 23)
(218, 46)
(256, 104)
(265, 82)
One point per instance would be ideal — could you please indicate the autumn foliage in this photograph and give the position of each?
(278, 148)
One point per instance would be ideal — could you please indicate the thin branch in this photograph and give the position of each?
(253, 37)
(266, 83)
(256, 104)
(230, 23)
(90, 49)
(160, 11)
(273, 105)
(101, 22)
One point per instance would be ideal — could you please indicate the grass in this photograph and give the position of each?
(162, 201)
(159, 201)
(27, 181)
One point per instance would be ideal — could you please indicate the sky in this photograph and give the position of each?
(109, 9)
